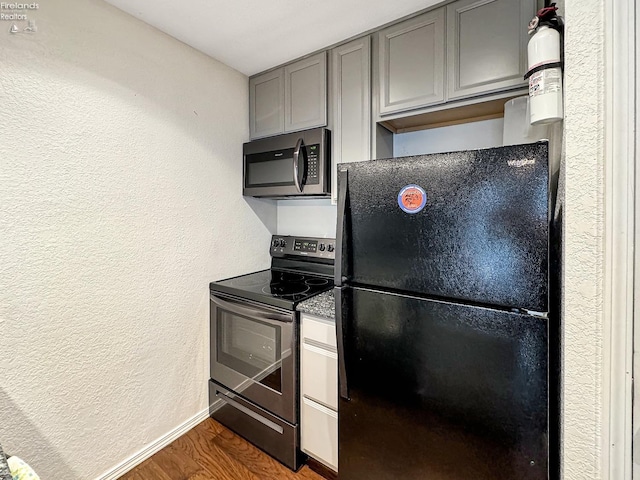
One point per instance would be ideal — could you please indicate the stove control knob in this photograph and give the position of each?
(330, 248)
(283, 242)
(321, 247)
(276, 242)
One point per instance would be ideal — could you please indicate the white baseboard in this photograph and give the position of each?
(140, 456)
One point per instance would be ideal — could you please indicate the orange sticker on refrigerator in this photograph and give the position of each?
(412, 198)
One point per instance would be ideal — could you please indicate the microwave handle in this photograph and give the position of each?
(298, 164)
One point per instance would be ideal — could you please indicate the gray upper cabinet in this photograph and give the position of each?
(411, 63)
(290, 98)
(305, 87)
(486, 45)
(266, 104)
(351, 103)
(465, 53)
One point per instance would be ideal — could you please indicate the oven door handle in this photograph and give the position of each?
(299, 163)
(253, 312)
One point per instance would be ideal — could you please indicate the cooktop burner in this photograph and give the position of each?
(285, 289)
(316, 281)
(291, 277)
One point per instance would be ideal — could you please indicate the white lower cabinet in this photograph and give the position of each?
(319, 390)
(319, 432)
(320, 367)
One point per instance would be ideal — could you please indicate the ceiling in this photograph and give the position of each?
(252, 36)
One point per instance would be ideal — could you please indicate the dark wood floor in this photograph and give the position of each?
(211, 451)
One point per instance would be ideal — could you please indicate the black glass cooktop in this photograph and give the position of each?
(273, 287)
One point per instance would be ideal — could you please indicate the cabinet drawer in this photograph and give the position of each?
(319, 432)
(319, 374)
(319, 330)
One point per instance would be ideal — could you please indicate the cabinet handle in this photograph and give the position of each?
(319, 406)
(325, 347)
(307, 347)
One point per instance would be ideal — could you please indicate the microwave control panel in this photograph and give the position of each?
(313, 178)
(303, 247)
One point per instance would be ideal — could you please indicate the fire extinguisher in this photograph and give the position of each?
(544, 53)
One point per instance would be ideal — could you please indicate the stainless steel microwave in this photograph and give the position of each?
(290, 165)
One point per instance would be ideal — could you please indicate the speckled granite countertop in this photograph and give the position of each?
(4, 468)
(321, 305)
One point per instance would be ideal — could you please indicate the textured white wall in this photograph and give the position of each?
(583, 368)
(120, 199)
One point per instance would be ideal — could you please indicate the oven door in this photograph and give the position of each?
(253, 353)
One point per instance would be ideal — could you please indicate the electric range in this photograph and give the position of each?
(254, 344)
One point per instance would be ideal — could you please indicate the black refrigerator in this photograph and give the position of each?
(447, 336)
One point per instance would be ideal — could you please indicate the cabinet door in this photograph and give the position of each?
(319, 432)
(412, 63)
(487, 46)
(305, 86)
(319, 374)
(351, 104)
(319, 361)
(266, 102)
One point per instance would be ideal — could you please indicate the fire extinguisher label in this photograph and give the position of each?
(545, 81)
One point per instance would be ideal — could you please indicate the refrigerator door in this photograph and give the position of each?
(464, 225)
(440, 390)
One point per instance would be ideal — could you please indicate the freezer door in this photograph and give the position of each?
(440, 390)
(465, 225)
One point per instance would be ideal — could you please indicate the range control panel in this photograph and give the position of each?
(303, 246)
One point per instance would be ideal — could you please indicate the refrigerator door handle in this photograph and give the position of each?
(340, 324)
(340, 262)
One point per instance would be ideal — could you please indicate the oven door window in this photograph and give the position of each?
(251, 348)
(269, 169)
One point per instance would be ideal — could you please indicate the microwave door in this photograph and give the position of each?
(269, 172)
(300, 164)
